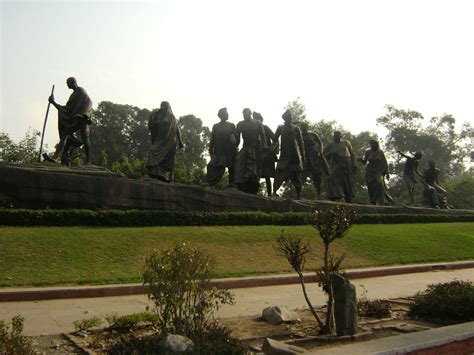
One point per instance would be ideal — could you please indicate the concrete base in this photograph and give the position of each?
(454, 339)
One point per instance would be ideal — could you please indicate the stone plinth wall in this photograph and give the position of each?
(52, 186)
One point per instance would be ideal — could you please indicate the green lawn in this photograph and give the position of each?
(91, 255)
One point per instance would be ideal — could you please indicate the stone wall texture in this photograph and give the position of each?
(45, 185)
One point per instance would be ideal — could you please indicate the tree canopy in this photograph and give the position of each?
(191, 161)
(23, 152)
(118, 131)
(437, 139)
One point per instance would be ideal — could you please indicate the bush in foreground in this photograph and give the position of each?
(11, 339)
(451, 302)
(216, 340)
(178, 281)
(374, 308)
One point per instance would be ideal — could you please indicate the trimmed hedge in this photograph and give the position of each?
(144, 218)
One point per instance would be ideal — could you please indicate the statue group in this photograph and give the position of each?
(291, 154)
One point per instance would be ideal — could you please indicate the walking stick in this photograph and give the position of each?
(44, 127)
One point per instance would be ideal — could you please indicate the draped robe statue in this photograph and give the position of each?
(165, 136)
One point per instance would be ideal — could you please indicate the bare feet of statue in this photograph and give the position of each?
(47, 158)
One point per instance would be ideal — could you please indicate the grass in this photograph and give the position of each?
(91, 255)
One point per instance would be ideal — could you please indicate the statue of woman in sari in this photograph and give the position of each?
(165, 136)
(375, 172)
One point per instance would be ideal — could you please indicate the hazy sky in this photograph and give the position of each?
(344, 59)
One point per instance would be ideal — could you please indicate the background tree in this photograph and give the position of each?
(121, 141)
(191, 161)
(298, 109)
(461, 190)
(437, 139)
(23, 152)
(119, 131)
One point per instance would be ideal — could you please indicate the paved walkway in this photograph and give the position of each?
(56, 316)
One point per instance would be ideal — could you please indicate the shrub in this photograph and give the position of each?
(216, 340)
(87, 324)
(138, 345)
(332, 224)
(451, 301)
(11, 339)
(130, 321)
(374, 308)
(178, 282)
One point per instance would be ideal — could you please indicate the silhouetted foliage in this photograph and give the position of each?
(437, 139)
(25, 151)
(461, 191)
(119, 131)
(191, 161)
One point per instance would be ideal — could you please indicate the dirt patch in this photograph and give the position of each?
(305, 332)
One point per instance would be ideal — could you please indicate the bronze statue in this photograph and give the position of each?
(343, 169)
(222, 149)
(292, 155)
(409, 171)
(165, 136)
(433, 194)
(248, 163)
(73, 117)
(269, 156)
(316, 163)
(375, 172)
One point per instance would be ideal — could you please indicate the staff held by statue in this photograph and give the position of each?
(44, 126)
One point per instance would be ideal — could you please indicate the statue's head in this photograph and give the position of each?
(287, 116)
(418, 155)
(223, 114)
(165, 105)
(374, 144)
(432, 163)
(257, 116)
(247, 114)
(71, 82)
(304, 127)
(337, 136)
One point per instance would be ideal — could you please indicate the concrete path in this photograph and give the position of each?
(56, 316)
